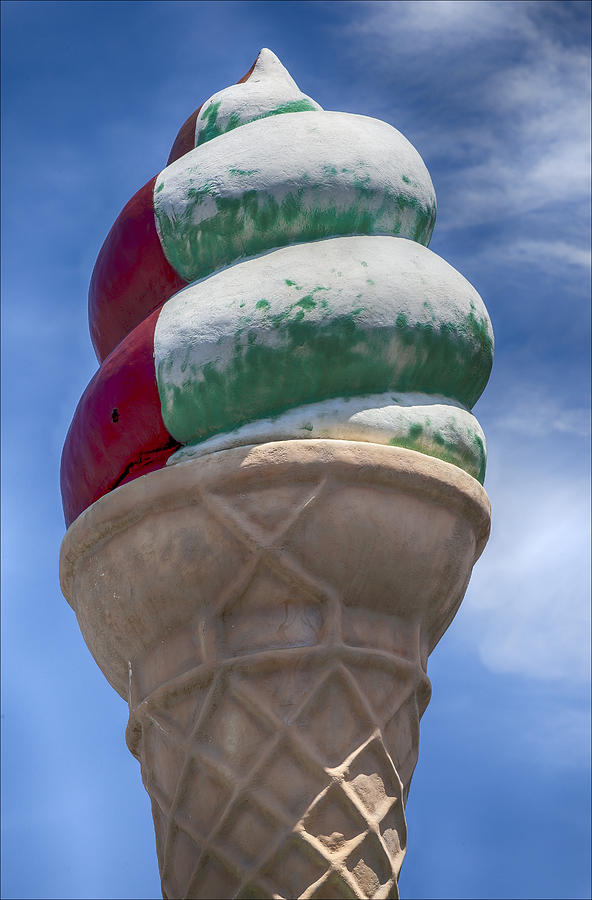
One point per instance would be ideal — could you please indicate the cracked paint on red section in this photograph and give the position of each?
(185, 140)
(132, 277)
(117, 433)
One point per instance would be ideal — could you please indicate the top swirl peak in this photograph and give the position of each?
(246, 176)
(267, 90)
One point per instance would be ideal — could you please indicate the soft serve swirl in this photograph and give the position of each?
(313, 308)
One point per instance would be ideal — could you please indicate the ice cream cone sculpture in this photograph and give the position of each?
(273, 489)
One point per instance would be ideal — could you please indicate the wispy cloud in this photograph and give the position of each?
(549, 253)
(449, 23)
(528, 410)
(506, 133)
(527, 609)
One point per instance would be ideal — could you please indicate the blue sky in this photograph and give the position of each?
(495, 96)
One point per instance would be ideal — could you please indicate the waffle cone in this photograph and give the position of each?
(268, 612)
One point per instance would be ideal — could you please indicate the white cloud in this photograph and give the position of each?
(546, 253)
(449, 24)
(570, 261)
(532, 152)
(528, 606)
(523, 409)
(506, 130)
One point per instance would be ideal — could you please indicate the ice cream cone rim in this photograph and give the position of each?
(402, 468)
(122, 618)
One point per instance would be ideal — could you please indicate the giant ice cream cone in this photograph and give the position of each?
(267, 600)
(268, 612)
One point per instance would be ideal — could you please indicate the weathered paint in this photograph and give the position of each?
(270, 90)
(335, 318)
(185, 139)
(353, 332)
(290, 179)
(433, 425)
(131, 277)
(117, 432)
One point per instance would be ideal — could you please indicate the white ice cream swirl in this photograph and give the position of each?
(314, 308)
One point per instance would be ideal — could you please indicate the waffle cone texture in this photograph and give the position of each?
(268, 612)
